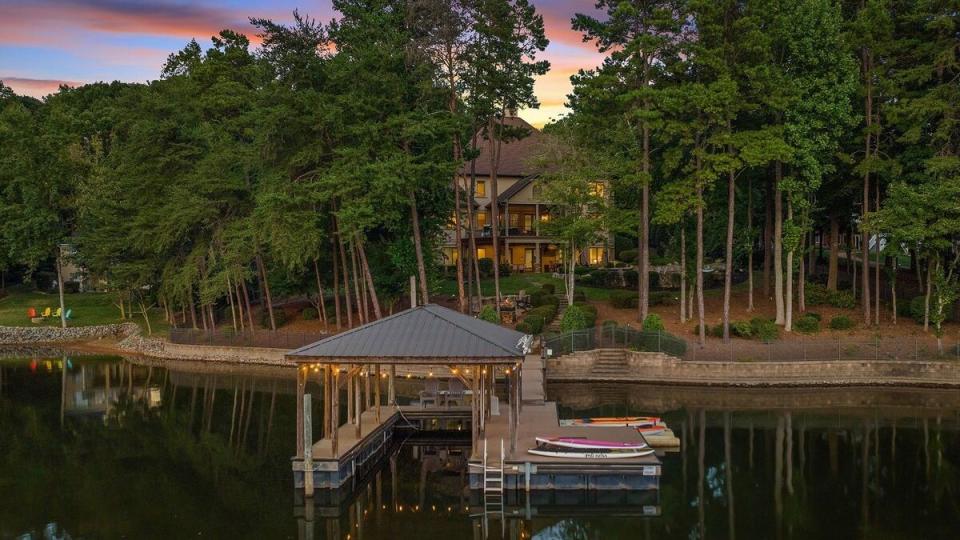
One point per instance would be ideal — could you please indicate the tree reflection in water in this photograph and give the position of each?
(148, 452)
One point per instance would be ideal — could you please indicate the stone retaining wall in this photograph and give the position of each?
(663, 369)
(22, 335)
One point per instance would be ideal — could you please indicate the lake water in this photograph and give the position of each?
(100, 447)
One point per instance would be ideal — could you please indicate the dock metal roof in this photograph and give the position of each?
(424, 334)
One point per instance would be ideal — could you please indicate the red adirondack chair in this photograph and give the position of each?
(32, 313)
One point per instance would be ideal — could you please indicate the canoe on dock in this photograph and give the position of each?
(583, 448)
(613, 421)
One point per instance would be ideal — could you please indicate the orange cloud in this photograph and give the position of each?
(36, 87)
(33, 23)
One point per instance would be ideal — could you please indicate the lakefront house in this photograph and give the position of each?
(522, 209)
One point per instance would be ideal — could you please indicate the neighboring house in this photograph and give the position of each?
(522, 210)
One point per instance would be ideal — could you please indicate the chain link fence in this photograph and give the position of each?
(230, 338)
(739, 350)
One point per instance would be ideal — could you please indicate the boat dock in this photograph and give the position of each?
(538, 418)
(476, 359)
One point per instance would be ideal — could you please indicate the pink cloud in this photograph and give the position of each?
(36, 87)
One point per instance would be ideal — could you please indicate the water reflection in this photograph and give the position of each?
(187, 449)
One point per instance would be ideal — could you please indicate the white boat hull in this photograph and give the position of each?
(591, 454)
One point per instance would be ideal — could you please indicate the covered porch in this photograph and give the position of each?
(356, 372)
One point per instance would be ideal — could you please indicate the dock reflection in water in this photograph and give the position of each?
(187, 449)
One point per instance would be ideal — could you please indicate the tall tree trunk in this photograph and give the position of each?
(246, 299)
(788, 315)
(356, 285)
(643, 251)
(418, 247)
(802, 279)
(699, 265)
(893, 290)
(233, 310)
(344, 273)
(239, 300)
(865, 239)
(768, 239)
(365, 266)
(452, 101)
(336, 287)
(266, 290)
(321, 303)
(494, 135)
(471, 201)
(750, 243)
(833, 266)
(193, 311)
(778, 244)
(926, 300)
(63, 308)
(683, 273)
(728, 264)
(876, 270)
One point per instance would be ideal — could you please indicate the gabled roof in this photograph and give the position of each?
(515, 155)
(424, 334)
(514, 189)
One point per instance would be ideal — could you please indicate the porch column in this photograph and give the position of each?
(514, 411)
(536, 218)
(301, 383)
(335, 407)
(506, 219)
(377, 392)
(327, 405)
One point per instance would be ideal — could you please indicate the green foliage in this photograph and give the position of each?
(591, 312)
(489, 313)
(841, 322)
(624, 299)
(813, 314)
(652, 323)
(548, 288)
(741, 329)
(764, 329)
(574, 318)
(819, 295)
(279, 316)
(917, 308)
(486, 267)
(807, 324)
(309, 314)
(526, 328)
(628, 256)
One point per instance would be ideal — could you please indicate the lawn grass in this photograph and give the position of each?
(89, 309)
(511, 284)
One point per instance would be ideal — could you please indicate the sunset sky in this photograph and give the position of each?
(45, 43)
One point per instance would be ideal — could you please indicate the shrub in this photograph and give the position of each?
(590, 311)
(524, 327)
(652, 323)
(279, 317)
(808, 324)
(624, 299)
(505, 269)
(579, 296)
(764, 329)
(813, 314)
(489, 314)
(548, 288)
(540, 298)
(841, 322)
(663, 298)
(628, 255)
(309, 314)
(917, 308)
(574, 318)
(485, 266)
(581, 270)
(741, 329)
(609, 325)
(816, 294)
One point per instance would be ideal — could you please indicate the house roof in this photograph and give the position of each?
(514, 189)
(515, 155)
(424, 334)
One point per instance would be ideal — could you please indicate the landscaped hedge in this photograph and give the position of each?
(816, 294)
(591, 312)
(309, 314)
(841, 322)
(808, 324)
(489, 314)
(574, 318)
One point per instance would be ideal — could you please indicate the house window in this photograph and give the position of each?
(484, 253)
(481, 188)
(482, 219)
(597, 189)
(595, 256)
(449, 256)
(537, 190)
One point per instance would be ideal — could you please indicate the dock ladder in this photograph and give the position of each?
(493, 490)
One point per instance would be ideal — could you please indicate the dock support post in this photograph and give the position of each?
(301, 382)
(325, 430)
(307, 435)
(334, 407)
(377, 392)
(391, 394)
(358, 408)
